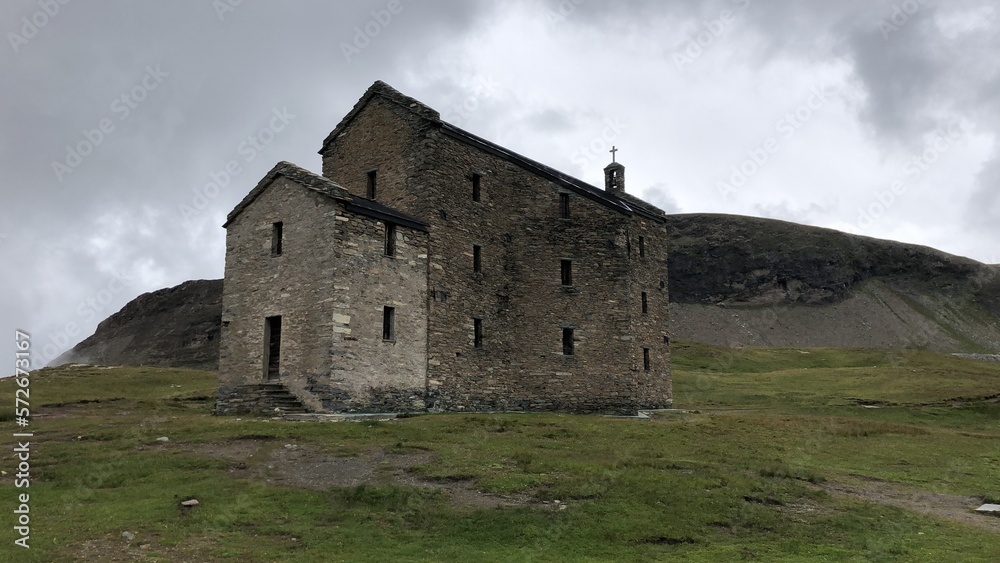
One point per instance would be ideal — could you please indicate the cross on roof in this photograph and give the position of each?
(613, 150)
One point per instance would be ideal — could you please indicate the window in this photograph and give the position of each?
(477, 258)
(371, 184)
(567, 342)
(272, 348)
(666, 339)
(475, 186)
(276, 235)
(564, 206)
(645, 359)
(645, 303)
(566, 271)
(477, 333)
(388, 323)
(642, 247)
(390, 239)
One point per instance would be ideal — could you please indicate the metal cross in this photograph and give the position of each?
(613, 151)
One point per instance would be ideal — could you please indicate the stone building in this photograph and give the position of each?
(430, 269)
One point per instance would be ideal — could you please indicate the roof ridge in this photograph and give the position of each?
(327, 187)
(380, 88)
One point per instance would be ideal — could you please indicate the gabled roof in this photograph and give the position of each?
(328, 188)
(627, 205)
(387, 92)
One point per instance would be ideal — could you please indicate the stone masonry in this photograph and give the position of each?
(511, 285)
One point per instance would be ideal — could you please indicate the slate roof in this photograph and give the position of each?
(330, 189)
(628, 204)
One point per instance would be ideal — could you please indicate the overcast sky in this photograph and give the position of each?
(876, 117)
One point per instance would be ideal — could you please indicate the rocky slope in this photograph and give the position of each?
(173, 327)
(745, 281)
(733, 280)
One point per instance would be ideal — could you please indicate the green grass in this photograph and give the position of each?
(740, 480)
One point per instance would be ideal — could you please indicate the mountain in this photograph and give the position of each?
(173, 327)
(746, 281)
(733, 281)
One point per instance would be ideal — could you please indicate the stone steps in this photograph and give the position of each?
(264, 398)
(276, 397)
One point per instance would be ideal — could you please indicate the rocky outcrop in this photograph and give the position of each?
(173, 327)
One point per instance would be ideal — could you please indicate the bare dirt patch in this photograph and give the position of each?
(120, 550)
(304, 465)
(949, 507)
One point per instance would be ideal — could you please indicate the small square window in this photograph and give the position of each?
(388, 323)
(566, 271)
(277, 233)
(564, 206)
(476, 179)
(477, 333)
(567, 341)
(390, 239)
(371, 183)
(645, 303)
(477, 258)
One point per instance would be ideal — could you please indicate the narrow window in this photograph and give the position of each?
(477, 258)
(564, 206)
(645, 359)
(642, 247)
(388, 323)
(390, 239)
(645, 303)
(371, 184)
(475, 186)
(566, 270)
(477, 332)
(277, 232)
(567, 342)
(272, 348)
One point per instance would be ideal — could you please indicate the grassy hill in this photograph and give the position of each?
(793, 455)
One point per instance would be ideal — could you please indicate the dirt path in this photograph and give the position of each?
(949, 507)
(302, 465)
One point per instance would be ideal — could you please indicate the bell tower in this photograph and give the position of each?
(614, 175)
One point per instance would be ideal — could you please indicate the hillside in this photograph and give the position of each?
(733, 280)
(746, 281)
(173, 327)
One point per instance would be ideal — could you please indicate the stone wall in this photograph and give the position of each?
(518, 295)
(329, 285)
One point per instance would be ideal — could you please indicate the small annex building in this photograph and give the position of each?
(430, 269)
